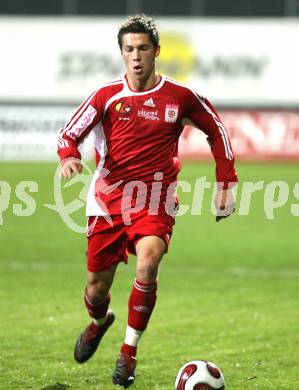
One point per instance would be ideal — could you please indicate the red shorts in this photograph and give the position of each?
(109, 245)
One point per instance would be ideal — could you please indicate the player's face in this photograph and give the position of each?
(139, 55)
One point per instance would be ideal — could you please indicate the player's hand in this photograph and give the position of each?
(225, 204)
(70, 166)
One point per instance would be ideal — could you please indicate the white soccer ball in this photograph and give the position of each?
(199, 375)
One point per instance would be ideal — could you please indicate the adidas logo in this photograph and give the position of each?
(149, 103)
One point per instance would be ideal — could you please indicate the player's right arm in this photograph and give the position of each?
(75, 130)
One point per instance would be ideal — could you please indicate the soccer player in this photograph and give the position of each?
(137, 121)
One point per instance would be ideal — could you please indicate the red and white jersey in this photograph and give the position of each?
(137, 134)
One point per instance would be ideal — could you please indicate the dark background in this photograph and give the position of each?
(213, 8)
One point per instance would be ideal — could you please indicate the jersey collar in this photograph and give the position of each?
(155, 88)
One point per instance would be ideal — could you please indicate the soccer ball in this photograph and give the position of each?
(199, 375)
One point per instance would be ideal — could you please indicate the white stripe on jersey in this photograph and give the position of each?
(82, 123)
(92, 206)
(224, 136)
(77, 115)
(176, 82)
(62, 142)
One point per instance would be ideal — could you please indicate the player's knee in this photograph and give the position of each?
(99, 283)
(150, 255)
(147, 268)
(97, 290)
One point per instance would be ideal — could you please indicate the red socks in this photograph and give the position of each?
(96, 310)
(141, 304)
(128, 350)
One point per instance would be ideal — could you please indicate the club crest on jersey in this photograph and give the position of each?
(122, 108)
(171, 113)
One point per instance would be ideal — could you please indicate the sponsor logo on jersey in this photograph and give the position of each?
(150, 115)
(122, 108)
(149, 103)
(171, 113)
(82, 123)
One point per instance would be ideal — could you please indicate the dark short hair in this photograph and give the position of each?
(139, 24)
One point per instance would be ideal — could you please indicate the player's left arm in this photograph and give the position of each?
(84, 119)
(203, 115)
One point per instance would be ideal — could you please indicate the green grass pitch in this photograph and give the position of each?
(228, 293)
